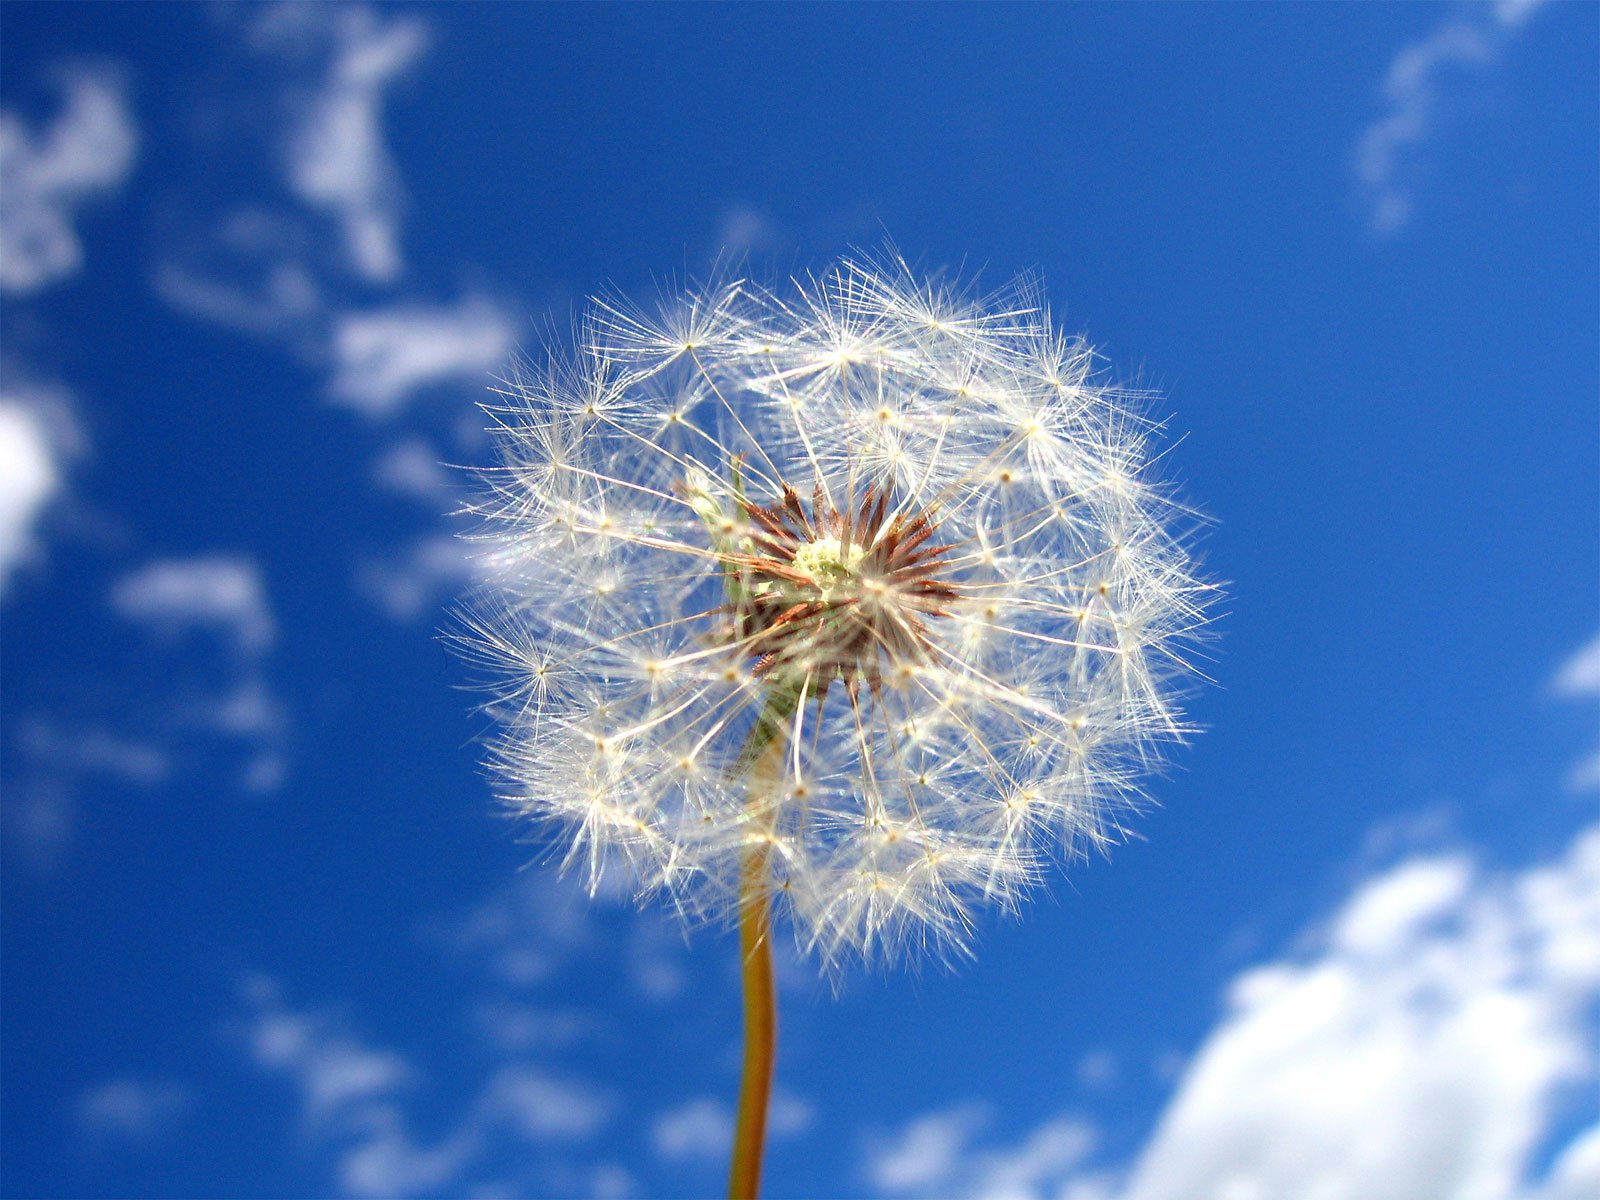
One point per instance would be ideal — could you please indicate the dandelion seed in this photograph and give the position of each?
(855, 598)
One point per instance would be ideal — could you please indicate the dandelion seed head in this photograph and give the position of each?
(904, 536)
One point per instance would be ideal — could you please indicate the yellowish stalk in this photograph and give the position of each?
(763, 758)
(760, 1032)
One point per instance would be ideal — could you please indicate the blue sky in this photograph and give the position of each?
(264, 932)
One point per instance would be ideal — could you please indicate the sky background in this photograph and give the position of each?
(264, 931)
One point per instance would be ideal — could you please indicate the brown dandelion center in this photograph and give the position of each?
(828, 593)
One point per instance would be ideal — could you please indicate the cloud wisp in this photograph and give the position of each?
(335, 156)
(1387, 159)
(134, 1111)
(356, 1100)
(48, 174)
(1579, 679)
(222, 594)
(382, 357)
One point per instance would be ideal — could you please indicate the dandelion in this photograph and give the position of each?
(854, 600)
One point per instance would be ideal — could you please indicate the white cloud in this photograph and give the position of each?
(1386, 156)
(132, 1110)
(39, 436)
(337, 160)
(788, 1114)
(1575, 1175)
(420, 577)
(925, 1155)
(47, 175)
(527, 930)
(545, 1108)
(94, 749)
(1579, 678)
(1580, 674)
(250, 273)
(29, 477)
(412, 468)
(350, 1095)
(1430, 1042)
(744, 230)
(223, 595)
(937, 1155)
(354, 1097)
(387, 1163)
(381, 358)
(1097, 1069)
(1420, 1053)
(700, 1128)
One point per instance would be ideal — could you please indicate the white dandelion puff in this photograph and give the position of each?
(866, 580)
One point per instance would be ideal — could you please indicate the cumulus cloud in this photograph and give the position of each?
(221, 594)
(136, 1111)
(1430, 1041)
(1387, 155)
(48, 174)
(1420, 1053)
(336, 157)
(381, 358)
(29, 477)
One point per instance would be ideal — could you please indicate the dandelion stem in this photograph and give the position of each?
(762, 757)
(760, 1031)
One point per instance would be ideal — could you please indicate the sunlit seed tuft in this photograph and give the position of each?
(899, 532)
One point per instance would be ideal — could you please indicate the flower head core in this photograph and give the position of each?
(835, 594)
(903, 539)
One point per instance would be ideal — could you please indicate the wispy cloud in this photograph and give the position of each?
(336, 158)
(223, 599)
(356, 1098)
(251, 273)
(1579, 679)
(1387, 159)
(700, 1128)
(745, 230)
(47, 174)
(221, 594)
(1580, 675)
(939, 1154)
(418, 577)
(141, 1112)
(382, 357)
(545, 1107)
(412, 468)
